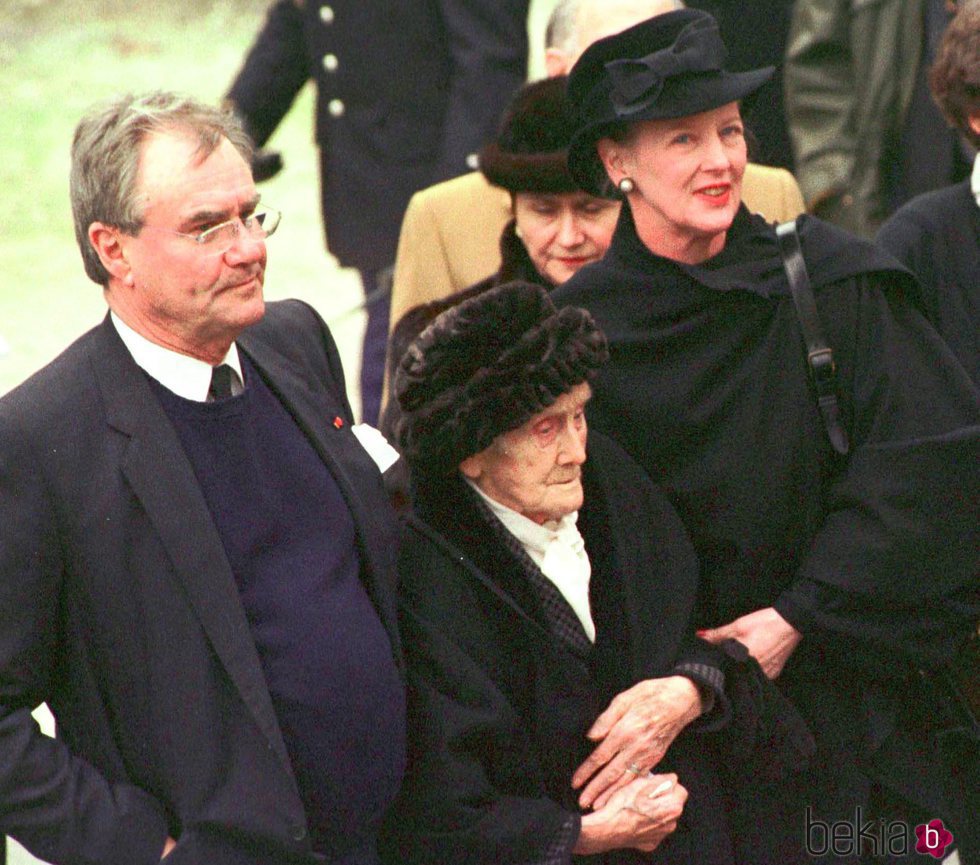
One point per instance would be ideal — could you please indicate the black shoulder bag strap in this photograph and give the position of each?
(819, 357)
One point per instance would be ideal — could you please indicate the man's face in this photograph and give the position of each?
(536, 469)
(179, 294)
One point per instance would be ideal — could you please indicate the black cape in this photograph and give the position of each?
(872, 557)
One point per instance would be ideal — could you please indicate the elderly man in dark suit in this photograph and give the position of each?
(406, 92)
(197, 552)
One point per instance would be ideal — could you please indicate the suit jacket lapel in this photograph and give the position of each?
(162, 479)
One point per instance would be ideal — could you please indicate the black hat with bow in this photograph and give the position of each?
(666, 67)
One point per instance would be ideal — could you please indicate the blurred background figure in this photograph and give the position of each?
(755, 35)
(866, 134)
(406, 92)
(449, 238)
(937, 234)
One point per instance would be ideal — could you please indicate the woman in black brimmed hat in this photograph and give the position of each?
(546, 589)
(830, 508)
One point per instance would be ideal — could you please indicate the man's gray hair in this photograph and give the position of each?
(105, 158)
(561, 31)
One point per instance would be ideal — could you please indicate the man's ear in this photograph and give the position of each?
(108, 245)
(472, 467)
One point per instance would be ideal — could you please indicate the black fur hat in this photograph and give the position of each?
(487, 366)
(530, 153)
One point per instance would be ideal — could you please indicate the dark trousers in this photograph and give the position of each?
(377, 305)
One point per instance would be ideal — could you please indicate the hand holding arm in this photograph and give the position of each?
(769, 638)
(639, 815)
(634, 733)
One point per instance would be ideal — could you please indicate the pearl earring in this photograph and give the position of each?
(626, 185)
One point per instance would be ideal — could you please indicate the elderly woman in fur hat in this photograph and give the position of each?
(546, 601)
(829, 481)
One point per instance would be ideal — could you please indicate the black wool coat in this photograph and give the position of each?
(872, 557)
(499, 698)
(937, 236)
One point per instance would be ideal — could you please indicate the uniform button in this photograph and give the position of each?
(336, 108)
(330, 62)
(326, 14)
(297, 831)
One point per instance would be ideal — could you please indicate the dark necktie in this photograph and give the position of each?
(220, 382)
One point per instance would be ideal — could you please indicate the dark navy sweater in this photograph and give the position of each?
(291, 543)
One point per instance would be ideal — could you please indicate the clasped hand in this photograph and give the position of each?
(769, 638)
(634, 733)
(639, 815)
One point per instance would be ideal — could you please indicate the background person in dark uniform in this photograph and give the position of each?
(406, 91)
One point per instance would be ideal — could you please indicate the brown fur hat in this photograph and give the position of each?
(487, 366)
(530, 153)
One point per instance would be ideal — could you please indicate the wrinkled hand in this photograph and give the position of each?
(168, 848)
(639, 815)
(769, 638)
(634, 733)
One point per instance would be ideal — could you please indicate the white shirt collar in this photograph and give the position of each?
(529, 533)
(558, 549)
(975, 179)
(179, 373)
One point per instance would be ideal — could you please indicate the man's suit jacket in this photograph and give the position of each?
(119, 608)
(405, 92)
(450, 236)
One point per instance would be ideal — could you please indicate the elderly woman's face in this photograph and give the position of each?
(687, 174)
(536, 469)
(564, 231)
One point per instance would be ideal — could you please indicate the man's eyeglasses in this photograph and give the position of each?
(220, 238)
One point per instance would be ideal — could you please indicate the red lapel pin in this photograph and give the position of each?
(338, 422)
